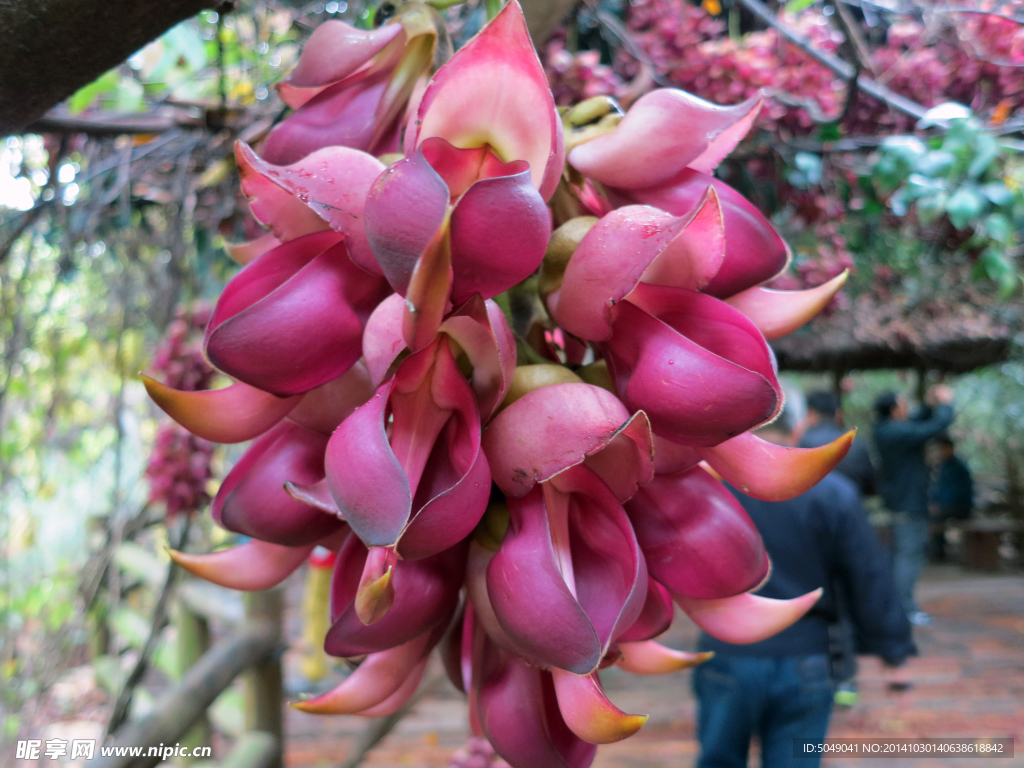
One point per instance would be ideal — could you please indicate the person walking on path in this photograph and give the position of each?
(782, 688)
(822, 426)
(904, 478)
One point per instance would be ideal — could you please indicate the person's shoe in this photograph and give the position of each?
(919, 619)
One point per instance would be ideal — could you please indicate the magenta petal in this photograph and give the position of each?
(670, 458)
(517, 710)
(293, 319)
(243, 253)
(777, 313)
(631, 244)
(367, 481)
(252, 499)
(754, 251)
(530, 598)
(333, 52)
(329, 187)
(696, 537)
(250, 567)
(426, 592)
(383, 341)
(556, 427)
(654, 619)
(488, 265)
(664, 131)
(746, 618)
(404, 210)
(231, 415)
(341, 115)
(494, 91)
(481, 330)
(608, 566)
(324, 408)
(692, 396)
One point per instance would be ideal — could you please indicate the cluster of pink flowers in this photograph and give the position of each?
(179, 466)
(533, 522)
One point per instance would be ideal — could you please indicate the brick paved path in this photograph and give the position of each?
(968, 681)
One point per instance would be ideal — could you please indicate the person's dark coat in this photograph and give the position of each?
(822, 538)
(857, 463)
(903, 474)
(953, 490)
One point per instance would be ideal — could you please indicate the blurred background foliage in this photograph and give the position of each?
(105, 235)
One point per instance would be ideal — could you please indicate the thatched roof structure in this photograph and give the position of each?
(953, 333)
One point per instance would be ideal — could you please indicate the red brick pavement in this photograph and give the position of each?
(968, 682)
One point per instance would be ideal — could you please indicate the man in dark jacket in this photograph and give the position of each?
(821, 426)
(781, 688)
(903, 481)
(952, 491)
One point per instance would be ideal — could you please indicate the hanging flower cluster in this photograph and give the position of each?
(536, 522)
(179, 466)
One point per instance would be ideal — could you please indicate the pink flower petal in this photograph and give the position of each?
(695, 536)
(518, 712)
(231, 415)
(327, 188)
(322, 409)
(777, 313)
(664, 131)
(754, 251)
(631, 244)
(691, 395)
(773, 472)
(250, 567)
(293, 319)
(746, 618)
(588, 712)
(654, 619)
(482, 332)
(651, 658)
(243, 253)
(425, 594)
(553, 428)
(493, 91)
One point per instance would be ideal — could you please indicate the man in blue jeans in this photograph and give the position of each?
(780, 689)
(903, 481)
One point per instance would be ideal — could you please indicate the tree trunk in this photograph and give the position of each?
(51, 48)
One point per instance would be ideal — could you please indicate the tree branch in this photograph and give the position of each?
(51, 48)
(834, 63)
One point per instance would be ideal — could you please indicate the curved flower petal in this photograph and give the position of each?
(333, 52)
(405, 208)
(481, 330)
(631, 244)
(383, 341)
(696, 538)
(426, 484)
(773, 472)
(317, 495)
(293, 319)
(328, 187)
(754, 251)
(651, 658)
(483, 263)
(664, 131)
(531, 599)
(400, 697)
(322, 409)
(374, 681)
(252, 499)
(670, 458)
(776, 313)
(693, 396)
(243, 253)
(556, 427)
(518, 712)
(231, 415)
(249, 567)
(655, 618)
(587, 711)
(493, 91)
(425, 593)
(746, 618)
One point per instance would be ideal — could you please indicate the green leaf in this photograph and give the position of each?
(998, 228)
(964, 206)
(997, 192)
(986, 151)
(935, 163)
(795, 6)
(85, 97)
